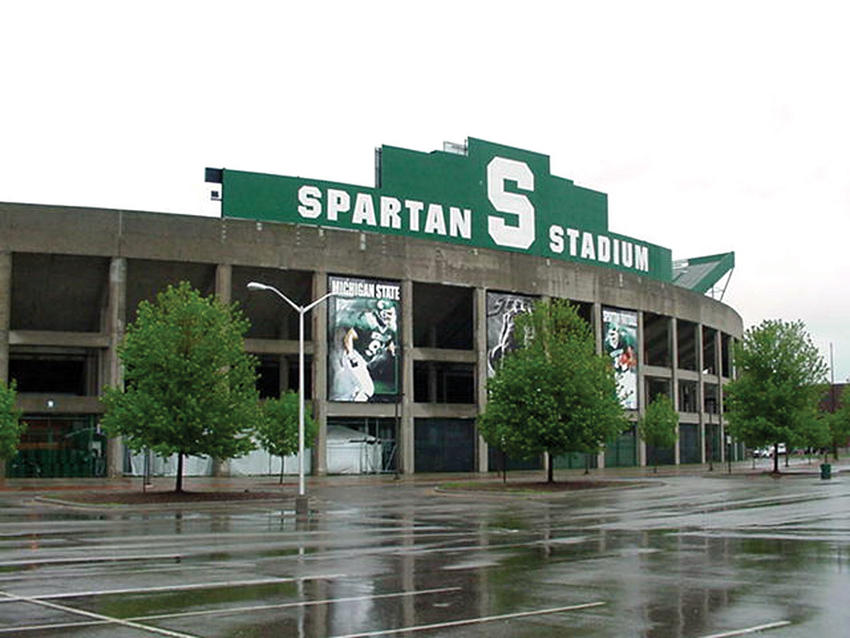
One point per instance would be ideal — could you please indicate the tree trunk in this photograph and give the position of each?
(281, 470)
(179, 486)
(775, 458)
(504, 467)
(550, 478)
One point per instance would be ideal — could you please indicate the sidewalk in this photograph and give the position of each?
(740, 469)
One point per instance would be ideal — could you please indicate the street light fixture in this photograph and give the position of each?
(301, 501)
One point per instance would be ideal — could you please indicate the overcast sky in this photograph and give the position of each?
(711, 126)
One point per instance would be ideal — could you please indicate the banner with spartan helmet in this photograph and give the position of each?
(502, 310)
(619, 342)
(364, 346)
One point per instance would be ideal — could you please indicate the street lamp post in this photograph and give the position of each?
(709, 440)
(301, 501)
(729, 452)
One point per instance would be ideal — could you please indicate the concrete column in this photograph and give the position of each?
(224, 283)
(224, 293)
(718, 361)
(700, 392)
(674, 380)
(728, 451)
(479, 318)
(641, 388)
(5, 311)
(405, 443)
(116, 311)
(596, 318)
(319, 370)
(5, 315)
(93, 367)
(547, 458)
(283, 381)
(596, 321)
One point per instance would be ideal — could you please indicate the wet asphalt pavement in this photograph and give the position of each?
(682, 555)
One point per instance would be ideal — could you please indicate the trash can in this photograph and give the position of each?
(825, 470)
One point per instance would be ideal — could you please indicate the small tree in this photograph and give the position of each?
(659, 425)
(780, 383)
(11, 427)
(278, 430)
(553, 393)
(189, 385)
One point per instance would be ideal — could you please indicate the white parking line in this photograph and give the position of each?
(88, 559)
(89, 614)
(471, 621)
(230, 610)
(430, 548)
(301, 603)
(750, 630)
(168, 588)
(84, 571)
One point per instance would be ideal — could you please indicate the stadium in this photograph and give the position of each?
(428, 269)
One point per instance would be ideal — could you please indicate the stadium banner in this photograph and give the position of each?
(619, 342)
(478, 194)
(502, 310)
(364, 348)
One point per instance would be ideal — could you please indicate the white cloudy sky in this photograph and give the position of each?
(712, 126)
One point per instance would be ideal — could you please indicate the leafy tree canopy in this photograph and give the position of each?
(553, 393)
(775, 397)
(278, 430)
(11, 427)
(660, 423)
(189, 385)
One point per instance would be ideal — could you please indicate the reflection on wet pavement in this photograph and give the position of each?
(682, 556)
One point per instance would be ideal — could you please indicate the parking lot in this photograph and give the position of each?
(680, 555)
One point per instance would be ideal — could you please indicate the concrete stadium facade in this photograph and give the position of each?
(70, 279)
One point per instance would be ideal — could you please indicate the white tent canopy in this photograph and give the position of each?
(352, 452)
(349, 451)
(256, 463)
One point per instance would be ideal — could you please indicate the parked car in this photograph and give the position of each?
(766, 452)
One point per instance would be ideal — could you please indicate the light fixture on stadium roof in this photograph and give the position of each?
(301, 501)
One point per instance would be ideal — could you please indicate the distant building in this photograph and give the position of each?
(831, 400)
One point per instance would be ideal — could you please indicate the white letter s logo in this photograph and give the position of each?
(520, 235)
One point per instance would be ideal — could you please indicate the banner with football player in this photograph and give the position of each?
(619, 341)
(502, 310)
(364, 348)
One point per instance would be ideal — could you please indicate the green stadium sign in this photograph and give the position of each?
(483, 194)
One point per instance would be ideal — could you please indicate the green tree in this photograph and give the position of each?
(775, 397)
(278, 430)
(189, 385)
(553, 393)
(659, 425)
(11, 427)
